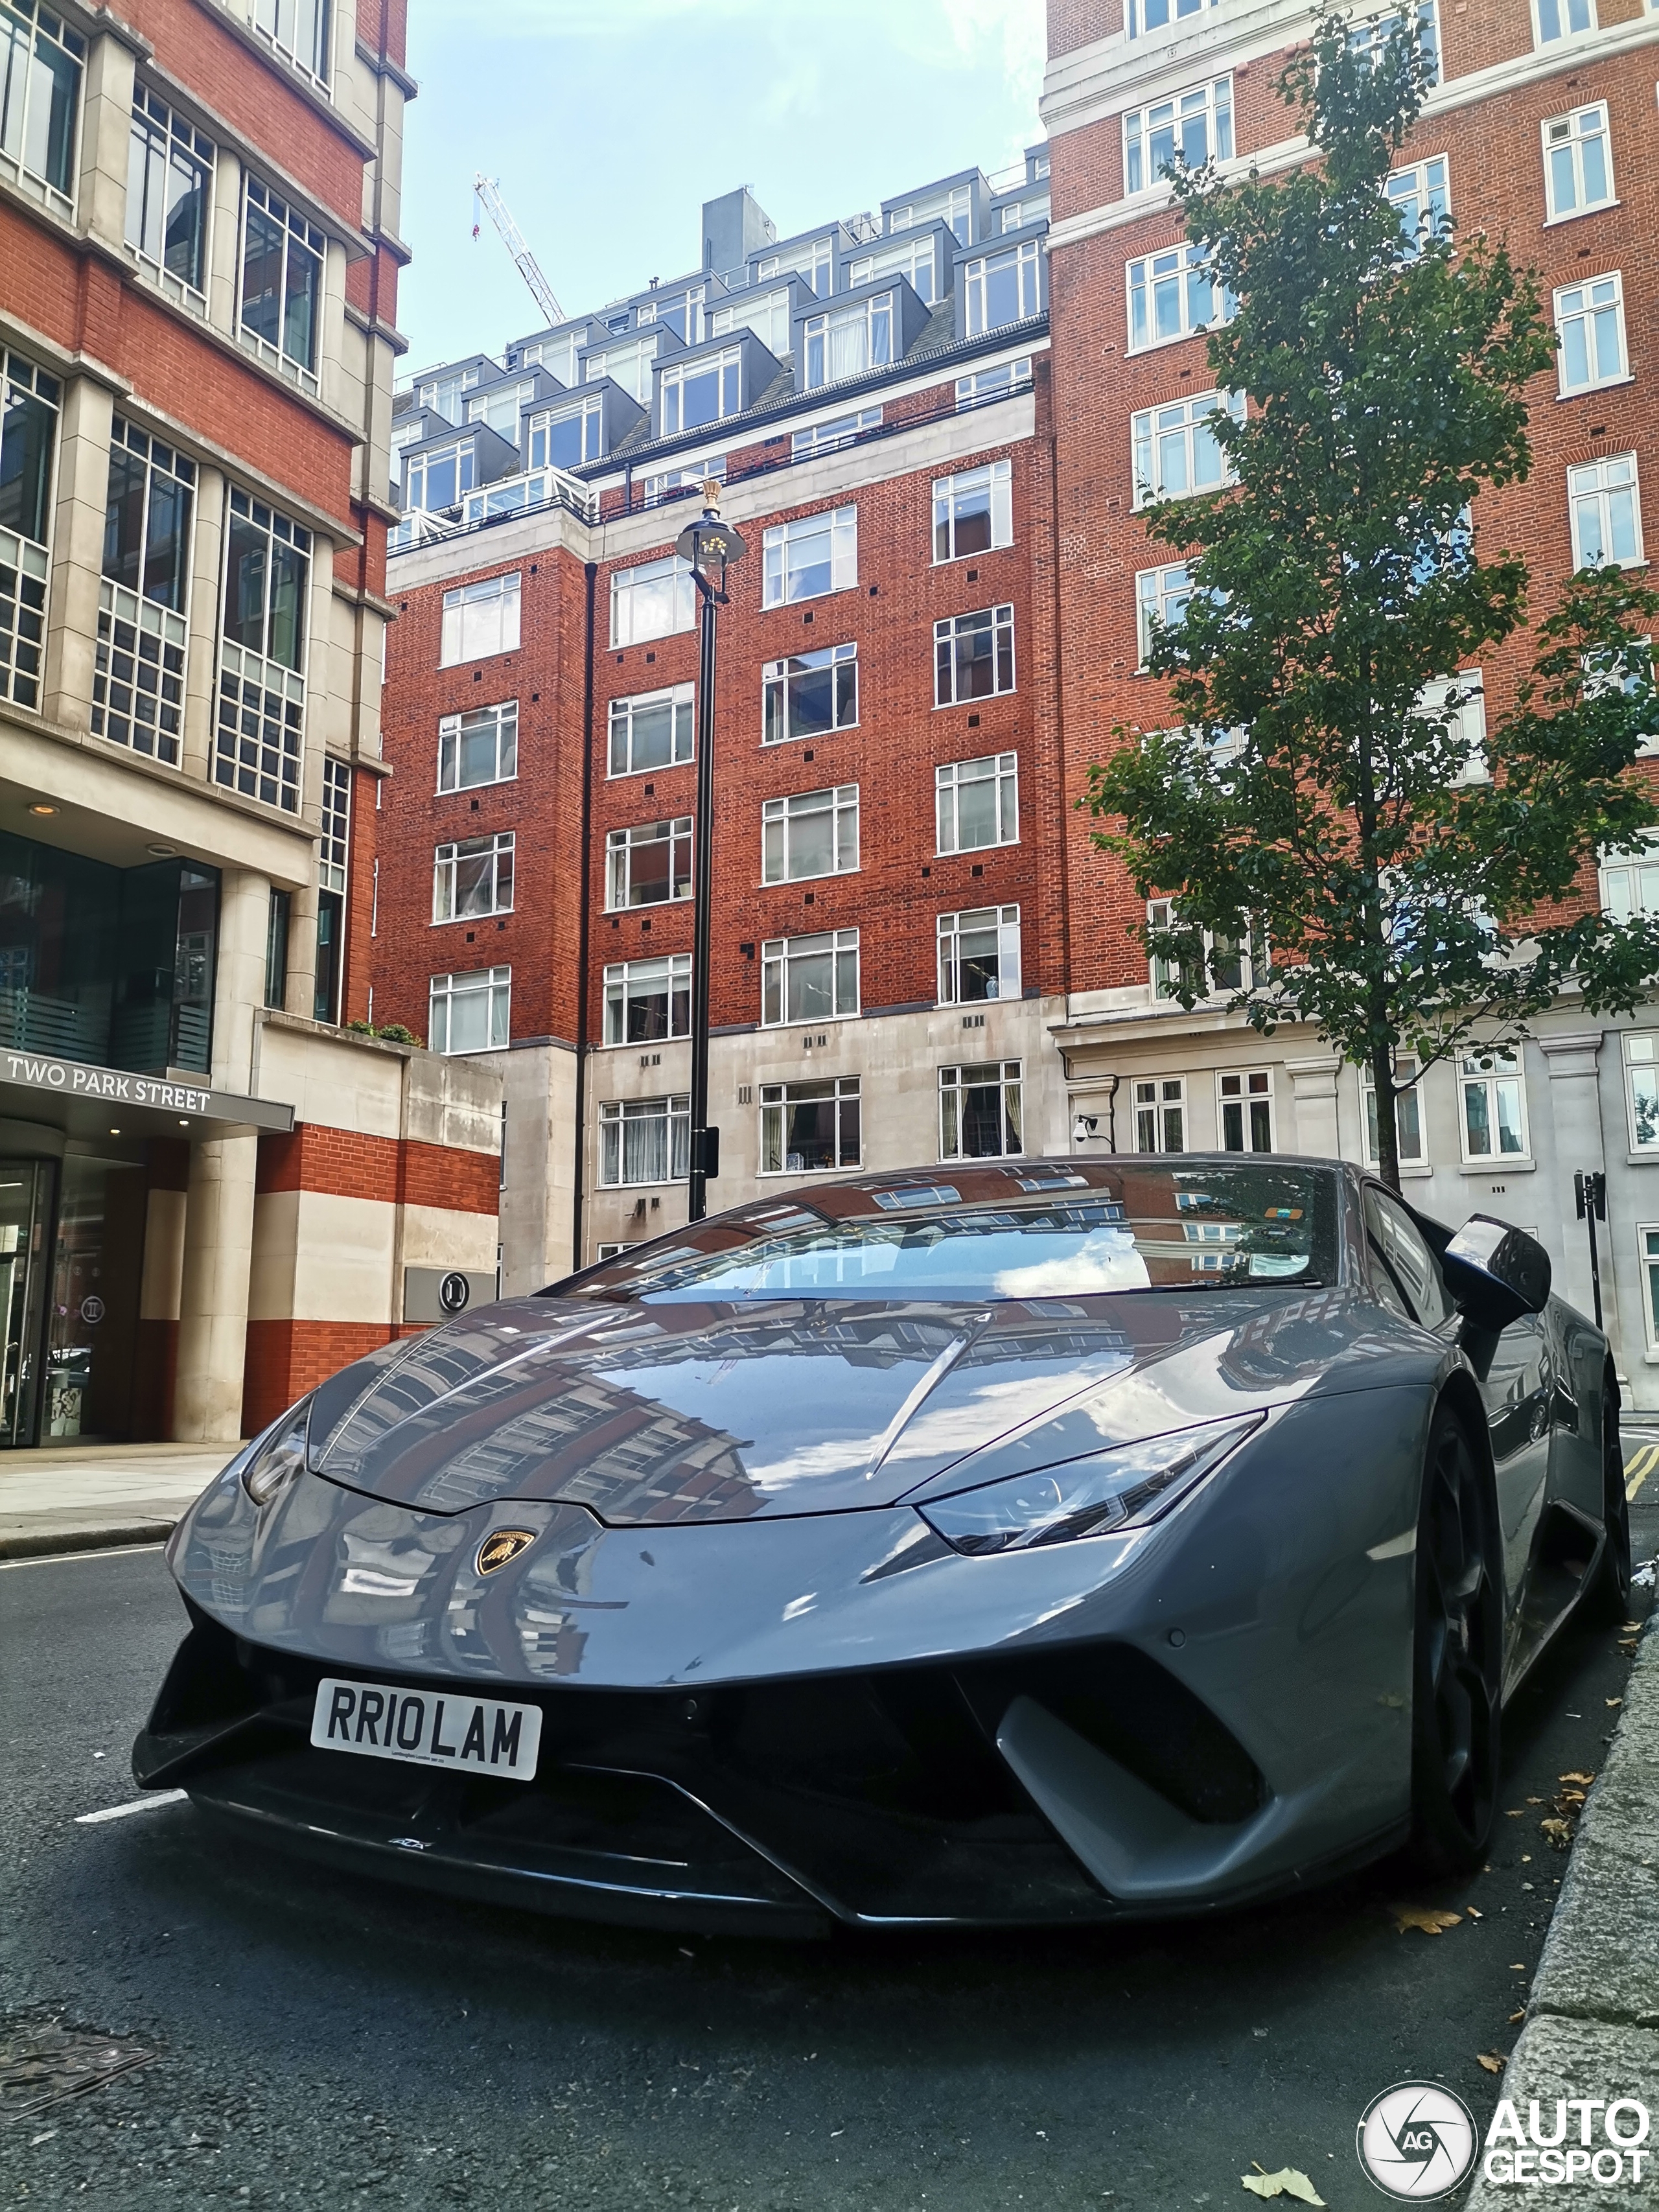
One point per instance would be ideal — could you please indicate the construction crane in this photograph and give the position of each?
(487, 190)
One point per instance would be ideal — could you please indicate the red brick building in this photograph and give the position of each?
(213, 1190)
(919, 957)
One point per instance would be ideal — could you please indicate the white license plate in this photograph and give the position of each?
(428, 1728)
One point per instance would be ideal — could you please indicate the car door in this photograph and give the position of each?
(1516, 1384)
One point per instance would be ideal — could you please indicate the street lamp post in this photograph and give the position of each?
(710, 546)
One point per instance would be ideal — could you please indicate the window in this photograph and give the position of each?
(1407, 1114)
(556, 355)
(1161, 1114)
(1648, 1244)
(40, 62)
(1245, 1107)
(1559, 19)
(1230, 963)
(914, 261)
(1018, 213)
(973, 513)
(684, 314)
(1001, 288)
(644, 1140)
(685, 475)
(472, 878)
(1162, 596)
(810, 979)
(811, 833)
(1419, 197)
(282, 281)
(28, 437)
(979, 955)
(808, 1127)
(1147, 16)
(977, 803)
(1172, 294)
(480, 620)
(1607, 512)
(802, 560)
(500, 408)
(262, 654)
(649, 865)
(1642, 1089)
(481, 746)
(1629, 883)
(704, 391)
(471, 1012)
(278, 916)
(138, 673)
(299, 29)
(648, 1001)
(810, 694)
(1197, 125)
(652, 730)
(1370, 37)
(985, 384)
(444, 394)
(830, 437)
(955, 205)
(1463, 724)
(1175, 449)
(1578, 162)
(333, 851)
(814, 261)
(973, 656)
(169, 190)
(849, 341)
(1589, 321)
(980, 1112)
(1400, 1253)
(1494, 1104)
(629, 366)
(437, 480)
(655, 599)
(767, 316)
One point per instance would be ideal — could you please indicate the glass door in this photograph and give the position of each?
(25, 1212)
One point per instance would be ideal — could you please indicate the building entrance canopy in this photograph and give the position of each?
(70, 1095)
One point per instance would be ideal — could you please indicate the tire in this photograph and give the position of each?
(1458, 1657)
(1607, 1600)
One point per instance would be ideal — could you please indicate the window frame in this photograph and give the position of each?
(782, 813)
(1167, 1096)
(255, 683)
(1588, 315)
(675, 1114)
(995, 622)
(948, 932)
(1647, 1259)
(1638, 1055)
(996, 479)
(1160, 595)
(161, 127)
(838, 526)
(726, 367)
(1541, 38)
(627, 588)
(618, 986)
(1185, 262)
(453, 730)
(506, 590)
(883, 329)
(1602, 493)
(681, 701)
(495, 847)
(779, 955)
(297, 231)
(840, 1093)
(1009, 1081)
(538, 430)
(948, 780)
(1153, 437)
(71, 44)
(1371, 1121)
(620, 846)
(1423, 191)
(779, 678)
(1246, 953)
(498, 988)
(1027, 260)
(1254, 1093)
(1488, 1079)
(1137, 127)
(1573, 144)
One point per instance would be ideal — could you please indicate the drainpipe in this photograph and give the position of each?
(591, 574)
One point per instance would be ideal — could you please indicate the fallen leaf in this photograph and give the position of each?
(1559, 1833)
(1534, 1800)
(1611, 1702)
(1493, 2061)
(1515, 1813)
(1287, 2182)
(1428, 1917)
(1514, 2016)
(1583, 1780)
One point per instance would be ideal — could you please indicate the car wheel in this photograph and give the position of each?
(1609, 1597)
(1458, 1657)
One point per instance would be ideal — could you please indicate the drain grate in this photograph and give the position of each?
(42, 2063)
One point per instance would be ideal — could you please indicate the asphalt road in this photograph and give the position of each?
(326, 2042)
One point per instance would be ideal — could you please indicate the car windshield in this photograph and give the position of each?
(1030, 1232)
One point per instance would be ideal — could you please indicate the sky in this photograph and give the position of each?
(607, 124)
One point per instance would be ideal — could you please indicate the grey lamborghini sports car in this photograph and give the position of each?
(1014, 1542)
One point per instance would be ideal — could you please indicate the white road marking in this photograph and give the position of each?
(60, 1558)
(135, 1805)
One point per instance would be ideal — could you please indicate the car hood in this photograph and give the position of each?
(680, 1412)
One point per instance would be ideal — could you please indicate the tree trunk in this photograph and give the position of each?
(1388, 1126)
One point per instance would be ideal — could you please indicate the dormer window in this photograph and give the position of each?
(443, 393)
(627, 365)
(849, 342)
(565, 437)
(441, 479)
(700, 392)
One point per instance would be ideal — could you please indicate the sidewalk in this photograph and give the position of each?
(79, 1498)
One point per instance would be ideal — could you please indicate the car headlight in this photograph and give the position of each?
(279, 1455)
(1124, 1487)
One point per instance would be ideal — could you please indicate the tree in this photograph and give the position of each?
(1318, 793)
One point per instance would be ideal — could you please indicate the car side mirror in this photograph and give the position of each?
(1495, 1272)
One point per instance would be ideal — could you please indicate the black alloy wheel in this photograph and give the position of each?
(1457, 1669)
(1609, 1597)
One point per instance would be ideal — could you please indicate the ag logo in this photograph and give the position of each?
(454, 1292)
(504, 1547)
(1417, 2142)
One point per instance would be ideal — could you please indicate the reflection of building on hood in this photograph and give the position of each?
(1288, 1341)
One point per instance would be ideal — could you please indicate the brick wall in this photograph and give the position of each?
(348, 1163)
